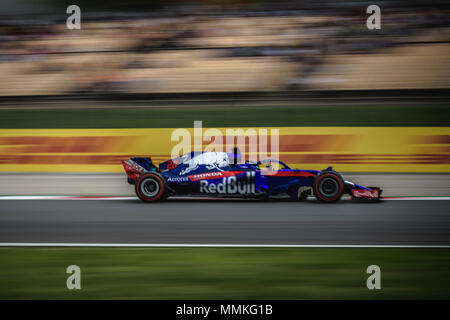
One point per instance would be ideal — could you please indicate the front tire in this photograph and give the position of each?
(151, 187)
(328, 186)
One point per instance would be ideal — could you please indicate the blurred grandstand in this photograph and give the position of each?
(212, 48)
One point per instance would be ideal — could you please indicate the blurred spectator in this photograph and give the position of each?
(207, 49)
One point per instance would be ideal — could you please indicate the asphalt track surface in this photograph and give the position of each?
(127, 221)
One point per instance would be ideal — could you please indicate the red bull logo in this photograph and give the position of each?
(230, 185)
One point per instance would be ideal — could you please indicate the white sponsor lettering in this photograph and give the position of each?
(365, 193)
(201, 176)
(135, 166)
(178, 179)
(230, 185)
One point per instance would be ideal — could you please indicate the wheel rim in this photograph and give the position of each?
(329, 187)
(150, 187)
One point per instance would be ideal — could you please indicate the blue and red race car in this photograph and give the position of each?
(218, 174)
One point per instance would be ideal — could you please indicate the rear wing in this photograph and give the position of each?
(134, 167)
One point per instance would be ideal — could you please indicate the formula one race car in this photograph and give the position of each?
(218, 174)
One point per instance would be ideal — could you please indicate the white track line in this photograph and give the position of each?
(195, 245)
(416, 198)
(54, 197)
(65, 198)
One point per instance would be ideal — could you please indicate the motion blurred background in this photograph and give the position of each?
(374, 104)
(221, 46)
(164, 64)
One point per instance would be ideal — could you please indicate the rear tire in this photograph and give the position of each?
(328, 186)
(151, 187)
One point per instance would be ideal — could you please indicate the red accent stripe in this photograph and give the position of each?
(361, 193)
(292, 174)
(213, 175)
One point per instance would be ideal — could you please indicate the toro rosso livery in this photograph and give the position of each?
(218, 174)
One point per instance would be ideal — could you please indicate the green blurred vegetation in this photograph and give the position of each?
(178, 117)
(224, 273)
